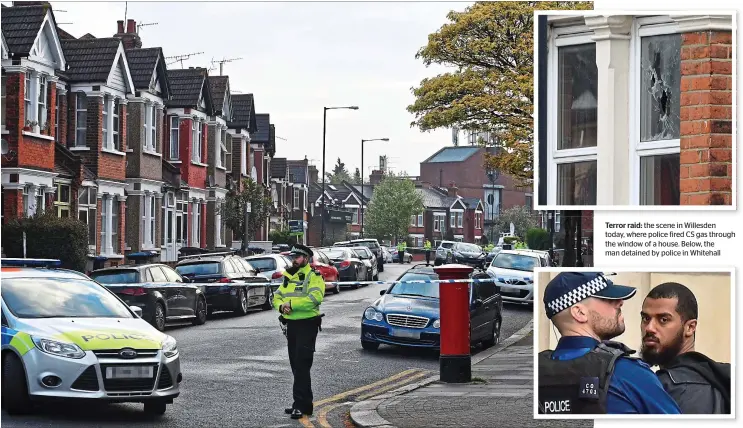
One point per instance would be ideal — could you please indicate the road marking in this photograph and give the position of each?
(391, 386)
(305, 421)
(343, 395)
(322, 415)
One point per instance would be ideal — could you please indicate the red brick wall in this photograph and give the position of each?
(62, 127)
(204, 144)
(194, 175)
(258, 163)
(51, 97)
(13, 207)
(706, 118)
(98, 225)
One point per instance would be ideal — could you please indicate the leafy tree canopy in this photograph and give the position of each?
(339, 174)
(389, 211)
(233, 209)
(490, 45)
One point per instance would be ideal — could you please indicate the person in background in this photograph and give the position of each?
(427, 248)
(587, 373)
(668, 326)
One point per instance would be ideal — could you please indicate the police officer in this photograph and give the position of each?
(427, 247)
(401, 251)
(587, 373)
(298, 300)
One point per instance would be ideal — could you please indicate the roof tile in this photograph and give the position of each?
(20, 25)
(90, 60)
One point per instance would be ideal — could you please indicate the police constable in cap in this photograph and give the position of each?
(587, 373)
(298, 300)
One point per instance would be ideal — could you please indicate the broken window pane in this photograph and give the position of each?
(660, 87)
(659, 180)
(577, 80)
(576, 183)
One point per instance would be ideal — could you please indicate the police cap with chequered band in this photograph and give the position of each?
(569, 288)
(301, 250)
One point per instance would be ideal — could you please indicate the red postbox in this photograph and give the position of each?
(454, 309)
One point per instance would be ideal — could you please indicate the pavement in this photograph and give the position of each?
(500, 394)
(236, 371)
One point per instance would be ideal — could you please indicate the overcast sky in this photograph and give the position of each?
(297, 58)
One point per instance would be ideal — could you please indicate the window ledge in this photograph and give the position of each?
(198, 164)
(151, 153)
(36, 135)
(222, 168)
(130, 150)
(4, 131)
(80, 149)
(113, 152)
(175, 161)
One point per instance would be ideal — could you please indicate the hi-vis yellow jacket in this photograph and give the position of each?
(305, 295)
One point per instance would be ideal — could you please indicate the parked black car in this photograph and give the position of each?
(229, 269)
(371, 244)
(468, 254)
(161, 292)
(350, 267)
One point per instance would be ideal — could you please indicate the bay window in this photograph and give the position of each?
(41, 107)
(109, 225)
(460, 220)
(3, 82)
(181, 218)
(218, 226)
(174, 138)
(86, 211)
(81, 119)
(196, 224)
(196, 128)
(420, 220)
(106, 142)
(478, 220)
(573, 135)
(656, 144)
(412, 220)
(27, 97)
(115, 106)
(150, 128)
(355, 216)
(111, 123)
(147, 211)
(62, 200)
(296, 199)
(222, 147)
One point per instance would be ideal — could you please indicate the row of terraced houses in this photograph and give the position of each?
(102, 130)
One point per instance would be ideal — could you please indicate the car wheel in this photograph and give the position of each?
(242, 302)
(369, 346)
(269, 302)
(157, 407)
(158, 318)
(200, 312)
(14, 388)
(494, 338)
(337, 289)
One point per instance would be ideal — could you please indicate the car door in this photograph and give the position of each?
(186, 293)
(160, 282)
(477, 313)
(256, 293)
(489, 295)
(332, 274)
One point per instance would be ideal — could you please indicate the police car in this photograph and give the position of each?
(64, 336)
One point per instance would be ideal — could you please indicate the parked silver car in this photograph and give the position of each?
(271, 267)
(370, 262)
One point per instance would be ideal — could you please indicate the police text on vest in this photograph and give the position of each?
(562, 406)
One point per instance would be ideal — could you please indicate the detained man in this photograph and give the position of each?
(698, 384)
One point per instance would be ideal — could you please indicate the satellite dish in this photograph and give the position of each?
(4, 147)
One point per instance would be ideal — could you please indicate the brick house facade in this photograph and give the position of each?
(239, 129)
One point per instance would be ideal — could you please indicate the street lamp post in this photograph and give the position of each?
(324, 126)
(363, 212)
(492, 175)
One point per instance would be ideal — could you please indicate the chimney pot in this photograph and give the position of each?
(131, 26)
(120, 27)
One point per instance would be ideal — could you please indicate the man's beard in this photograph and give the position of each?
(607, 328)
(662, 355)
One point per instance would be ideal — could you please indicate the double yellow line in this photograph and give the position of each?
(362, 393)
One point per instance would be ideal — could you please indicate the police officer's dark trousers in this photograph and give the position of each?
(301, 336)
(428, 256)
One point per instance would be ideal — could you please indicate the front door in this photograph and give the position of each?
(170, 241)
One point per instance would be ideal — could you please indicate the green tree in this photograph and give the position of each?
(389, 211)
(538, 239)
(281, 236)
(357, 176)
(233, 210)
(339, 174)
(520, 216)
(490, 45)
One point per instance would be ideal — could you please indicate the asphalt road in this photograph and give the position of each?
(236, 371)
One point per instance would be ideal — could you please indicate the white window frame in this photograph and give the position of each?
(196, 141)
(150, 128)
(196, 224)
(562, 37)
(412, 220)
(87, 207)
(28, 97)
(644, 27)
(296, 200)
(56, 116)
(244, 160)
(218, 229)
(453, 220)
(420, 220)
(81, 96)
(115, 124)
(460, 220)
(3, 85)
(174, 152)
(43, 100)
(478, 220)
(108, 206)
(355, 216)
(439, 220)
(62, 205)
(147, 210)
(107, 142)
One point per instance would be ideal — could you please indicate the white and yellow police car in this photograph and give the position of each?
(64, 336)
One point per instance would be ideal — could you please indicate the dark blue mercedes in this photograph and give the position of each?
(407, 314)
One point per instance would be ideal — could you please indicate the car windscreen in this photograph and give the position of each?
(416, 289)
(115, 276)
(515, 262)
(368, 244)
(60, 298)
(447, 245)
(469, 248)
(362, 254)
(336, 254)
(202, 268)
(263, 264)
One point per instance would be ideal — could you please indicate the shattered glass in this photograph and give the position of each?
(660, 87)
(577, 93)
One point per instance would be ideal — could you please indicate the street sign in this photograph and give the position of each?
(335, 216)
(248, 207)
(296, 227)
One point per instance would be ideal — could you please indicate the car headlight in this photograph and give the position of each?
(437, 324)
(373, 315)
(170, 347)
(61, 349)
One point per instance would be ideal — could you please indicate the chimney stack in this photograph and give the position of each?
(376, 177)
(452, 191)
(129, 38)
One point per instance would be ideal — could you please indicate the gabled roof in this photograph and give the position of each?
(452, 154)
(368, 190)
(64, 35)
(278, 168)
(21, 25)
(187, 86)
(472, 203)
(143, 63)
(92, 60)
(261, 134)
(4, 46)
(297, 171)
(457, 204)
(218, 86)
(433, 198)
(243, 112)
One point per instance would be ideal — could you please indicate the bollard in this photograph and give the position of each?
(454, 302)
